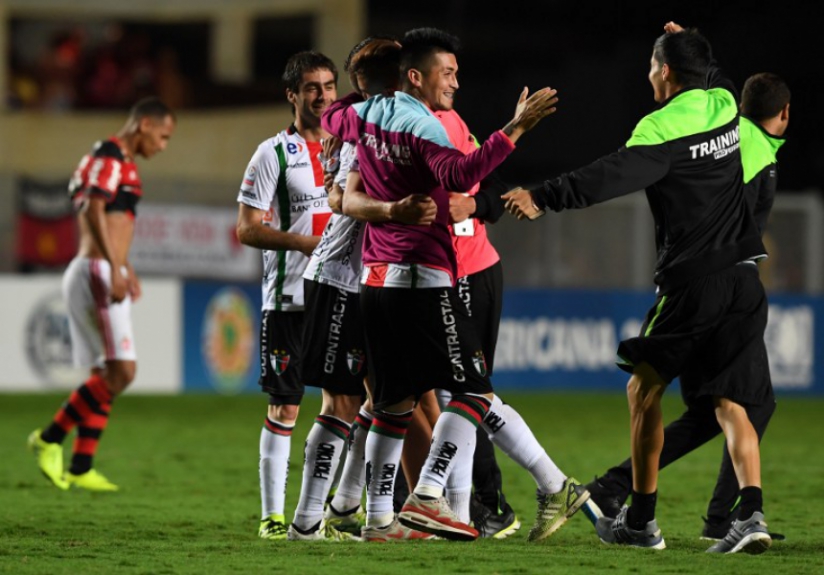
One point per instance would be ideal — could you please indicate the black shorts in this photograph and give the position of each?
(334, 347)
(710, 332)
(420, 339)
(482, 293)
(281, 355)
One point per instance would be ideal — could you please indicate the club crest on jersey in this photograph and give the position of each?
(294, 148)
(279, 360)
(354, 360)
(479, 361)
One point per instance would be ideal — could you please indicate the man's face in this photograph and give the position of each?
(317, 90)
(154, 135)
(440, 82)
(656, 78)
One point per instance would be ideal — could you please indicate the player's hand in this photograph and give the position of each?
(531, 110)
(335, 199)
(519, 203)
(135, 289)
(308, 245)
(120, 287)
(415, 209)
(461, 207)
(673, 28)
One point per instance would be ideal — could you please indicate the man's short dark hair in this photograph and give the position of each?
(151, 107)
(688, 54)
(764, 96)
(420, 44)
(303, 62)
(375, 60)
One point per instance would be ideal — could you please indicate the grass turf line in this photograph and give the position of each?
(187, 466)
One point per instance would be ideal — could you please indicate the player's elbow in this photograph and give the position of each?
(244, 233)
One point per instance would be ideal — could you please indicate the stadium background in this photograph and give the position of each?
(576, 282)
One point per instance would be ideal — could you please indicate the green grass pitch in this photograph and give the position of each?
(189, 503)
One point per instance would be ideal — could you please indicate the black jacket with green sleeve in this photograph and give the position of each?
(758, 151)
(686, 156)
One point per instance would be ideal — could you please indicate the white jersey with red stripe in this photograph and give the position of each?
(337, 259)
(100, 330)
(284, 179)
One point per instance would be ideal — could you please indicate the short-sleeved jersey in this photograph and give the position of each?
(106, 172)
(284, 179)
(337, 259)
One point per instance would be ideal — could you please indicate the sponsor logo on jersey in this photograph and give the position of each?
(355, 360)
(279, 360)
(479, 361)
(294, 147)
(298, 165)
(250, 176)
(228, 339)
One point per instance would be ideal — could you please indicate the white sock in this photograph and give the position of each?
(324, 445)
(353, 477)
(384, 445)
(509, 431)
(275, 443)
(453, 443)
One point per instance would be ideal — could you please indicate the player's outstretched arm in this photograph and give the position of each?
(520, 204)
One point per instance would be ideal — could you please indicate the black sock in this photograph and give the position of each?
(642, 510)
(751, 501)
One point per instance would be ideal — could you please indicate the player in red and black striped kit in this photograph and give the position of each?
(99, 286)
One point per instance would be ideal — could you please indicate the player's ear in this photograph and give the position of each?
(666, 73)
(291, 97)
(785, 112)
(415, 77)
(144, 124)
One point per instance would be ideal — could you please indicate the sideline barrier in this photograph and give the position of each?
(35, 349)
(566, 339)
(203, 336)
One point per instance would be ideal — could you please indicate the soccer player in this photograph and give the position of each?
(765, 114)
(282, 211)
(709, 317)
(418, 332)
(333, 338)
(99, 287)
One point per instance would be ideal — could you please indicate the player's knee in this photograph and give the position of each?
(119, 375)
(287, 414)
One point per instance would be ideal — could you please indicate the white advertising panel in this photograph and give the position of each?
(192, 241)
(35, 347)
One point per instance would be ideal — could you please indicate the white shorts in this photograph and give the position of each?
(100, 330)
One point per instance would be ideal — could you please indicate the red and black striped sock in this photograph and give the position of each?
(88, 438)
(85, 400)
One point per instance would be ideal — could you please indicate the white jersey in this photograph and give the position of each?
(285, 179)
(337, 259)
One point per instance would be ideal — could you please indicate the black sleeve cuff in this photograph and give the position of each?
(540, 195)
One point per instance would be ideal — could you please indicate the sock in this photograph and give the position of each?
(486, 475)
(453, 442)
(83, 401)
(275, 443)
(642, 509)
(324, 444)
(752, 500)
(509, 431)
(383, 455)
(88, 438)
(353, 478)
